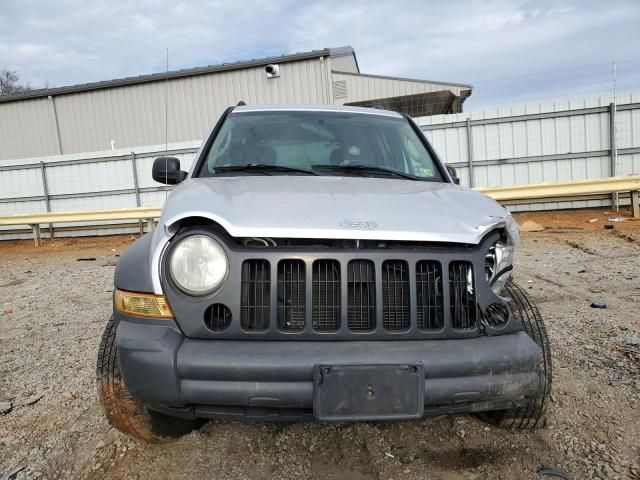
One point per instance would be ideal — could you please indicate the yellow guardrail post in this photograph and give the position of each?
(635, 203)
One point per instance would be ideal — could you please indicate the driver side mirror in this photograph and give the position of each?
(454, 174)
(167, 170)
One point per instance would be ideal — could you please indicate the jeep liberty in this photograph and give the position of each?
(320, 262)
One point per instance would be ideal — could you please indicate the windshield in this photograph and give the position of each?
(324, 143)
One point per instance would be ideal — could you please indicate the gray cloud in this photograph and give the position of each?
(481, 42)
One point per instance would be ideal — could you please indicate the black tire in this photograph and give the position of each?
(125, 412)
(533, 414)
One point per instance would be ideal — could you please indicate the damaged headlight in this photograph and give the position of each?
(198, 265)
(498, 261)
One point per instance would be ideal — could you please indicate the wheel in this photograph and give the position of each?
(125, 412)
(533, 414)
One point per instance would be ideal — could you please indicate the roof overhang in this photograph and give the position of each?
(420, 104)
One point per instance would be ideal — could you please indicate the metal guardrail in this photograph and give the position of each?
(580, 189)
(569, 189)
(85, 216)
(36, 219)
(502, 194)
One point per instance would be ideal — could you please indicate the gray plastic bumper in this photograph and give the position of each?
(164, 369)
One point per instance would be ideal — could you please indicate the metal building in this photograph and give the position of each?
(130, 112)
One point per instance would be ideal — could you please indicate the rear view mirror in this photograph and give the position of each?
(454, 174)
(167, 170)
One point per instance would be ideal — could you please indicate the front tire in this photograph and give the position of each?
(125, 412)
(531, 415)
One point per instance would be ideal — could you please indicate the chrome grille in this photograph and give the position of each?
(395, 295)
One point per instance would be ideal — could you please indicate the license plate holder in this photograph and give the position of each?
(368, 392)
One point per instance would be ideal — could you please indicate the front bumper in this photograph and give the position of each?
(274, 379)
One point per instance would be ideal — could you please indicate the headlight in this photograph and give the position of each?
(499, 258)
(198, 265)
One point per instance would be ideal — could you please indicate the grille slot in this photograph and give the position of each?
(462, 295)
(291, 295)
(430, 310)
(217, 317)
(325, 295)
(255, 295)
(361, 291)
(395, 295)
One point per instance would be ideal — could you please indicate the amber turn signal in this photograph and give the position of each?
(143, 304)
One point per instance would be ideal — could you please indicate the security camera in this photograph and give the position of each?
(272, 70)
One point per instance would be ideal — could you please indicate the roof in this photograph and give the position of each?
(316, 108)
(186, 72)
(450, 84)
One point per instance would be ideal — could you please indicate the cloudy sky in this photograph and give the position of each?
(512, 51)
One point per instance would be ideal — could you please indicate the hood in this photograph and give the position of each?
(288, 206)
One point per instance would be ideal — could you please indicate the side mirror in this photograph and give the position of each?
(167, 170)
(454, 174)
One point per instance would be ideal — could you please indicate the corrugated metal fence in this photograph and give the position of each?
(532, 144)
(97, 181)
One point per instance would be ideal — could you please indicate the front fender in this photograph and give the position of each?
(133, 271)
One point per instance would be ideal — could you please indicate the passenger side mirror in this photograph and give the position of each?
(454, 174)
(167, 170)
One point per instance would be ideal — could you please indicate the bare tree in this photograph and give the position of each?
(10, 83)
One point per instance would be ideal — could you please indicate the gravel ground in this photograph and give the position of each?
(53, 309)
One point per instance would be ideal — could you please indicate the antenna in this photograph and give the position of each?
(614, 82)
(614, 134)
(166, 126)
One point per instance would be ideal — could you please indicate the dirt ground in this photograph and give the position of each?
(53, 308)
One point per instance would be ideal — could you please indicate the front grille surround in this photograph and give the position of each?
(189, 311)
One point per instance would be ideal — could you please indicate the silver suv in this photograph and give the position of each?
(321, 263)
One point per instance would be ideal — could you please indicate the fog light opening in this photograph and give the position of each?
(496, 315)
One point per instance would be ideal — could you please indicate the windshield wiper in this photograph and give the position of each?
(261, 167)
(358, 167)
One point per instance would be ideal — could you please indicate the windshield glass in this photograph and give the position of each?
(326, 143)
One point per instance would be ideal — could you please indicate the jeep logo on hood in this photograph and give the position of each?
(362, 224)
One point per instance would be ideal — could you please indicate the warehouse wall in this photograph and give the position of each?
(28, 129)
(134, 115)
